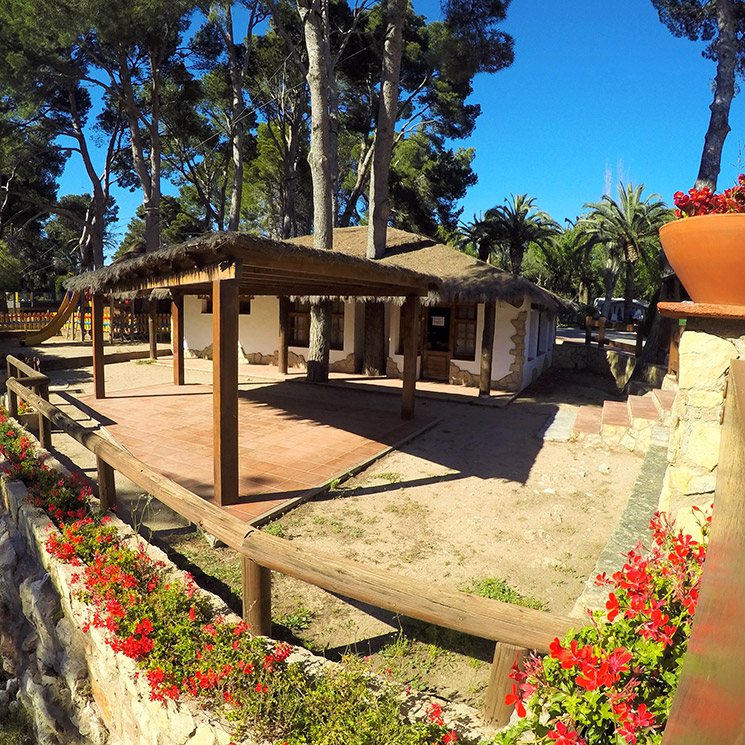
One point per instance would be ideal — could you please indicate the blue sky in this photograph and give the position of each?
(597, 90)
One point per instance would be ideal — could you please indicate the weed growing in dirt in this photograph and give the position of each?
(299, 620)
(145, 362)
(389, 476)
(498, 589)
(275, 528)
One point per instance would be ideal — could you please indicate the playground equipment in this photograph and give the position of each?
(55, 325)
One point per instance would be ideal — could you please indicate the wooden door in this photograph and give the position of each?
(438, 346)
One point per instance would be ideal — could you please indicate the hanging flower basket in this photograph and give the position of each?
(707, 253)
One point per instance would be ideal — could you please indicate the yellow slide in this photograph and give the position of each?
(56, 324)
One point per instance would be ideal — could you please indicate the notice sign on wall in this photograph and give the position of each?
(437, 320)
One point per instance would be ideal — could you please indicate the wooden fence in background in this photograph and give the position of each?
(25, 320)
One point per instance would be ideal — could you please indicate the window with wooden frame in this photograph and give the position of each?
(300, 324)
(464, 331)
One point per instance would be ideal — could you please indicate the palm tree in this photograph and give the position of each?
(477, 237)
(518, 224)
(629, 228)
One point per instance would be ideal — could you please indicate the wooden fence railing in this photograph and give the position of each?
(514, 629)
(595, 330)
(25, 320)
(125, 325)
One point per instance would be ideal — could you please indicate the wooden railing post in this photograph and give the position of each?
(257, 597)
(45, 426)
(496, 712)
(588, 329)
(106, 484)
(601, 331)
(639, 340)
(12, 395)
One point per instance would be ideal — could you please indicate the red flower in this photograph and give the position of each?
(514, 699)
(562, 736)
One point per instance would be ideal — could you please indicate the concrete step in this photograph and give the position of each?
(588, 422)
(616, 414)
(643, 407)
(664, 400)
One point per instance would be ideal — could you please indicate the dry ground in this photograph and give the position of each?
(478, 497)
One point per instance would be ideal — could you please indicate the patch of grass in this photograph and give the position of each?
(338, 527)
(16, 729)
(275, 528)
(145, 362)
(389, 476)
(498, 589)
(299, 619)
(406, 507)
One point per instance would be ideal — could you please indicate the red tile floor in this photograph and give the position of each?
(293, 437)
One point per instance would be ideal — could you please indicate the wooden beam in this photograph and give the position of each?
(496, 712)
(427, 601)
(410, 329)
(284, 333)
(487, 347)
(177, 338)
(257, 597)
(99, 383)
(225, 389)
(106, 484)
(206, 276)
(152, 328)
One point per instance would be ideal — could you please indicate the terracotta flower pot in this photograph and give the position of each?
(707, 253)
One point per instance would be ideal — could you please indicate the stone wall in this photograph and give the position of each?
(605, 361)
(75, 687)
(706, 348)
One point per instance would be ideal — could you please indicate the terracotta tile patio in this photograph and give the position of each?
(292, 439)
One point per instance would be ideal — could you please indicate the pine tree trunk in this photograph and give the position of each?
(320, 330)
(314, 15)
(385, 131)
(724, 91)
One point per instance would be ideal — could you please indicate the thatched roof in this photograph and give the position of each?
(463, 278)
(262, 266)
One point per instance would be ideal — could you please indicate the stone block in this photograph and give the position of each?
(707, 400)
(702, 444)
(704, 360)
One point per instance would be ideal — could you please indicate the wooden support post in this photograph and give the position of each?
(410, 329)
(496, 712)
(284, 333)
(45, 426)
(99, 383)
(601, 331)
(177, 338)
(588, 329)
(106, 485)
(257, 597)
(12, 395)
(487, 347)
(152, 328)
(225, 389)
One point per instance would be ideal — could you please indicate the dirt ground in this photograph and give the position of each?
(478, 496)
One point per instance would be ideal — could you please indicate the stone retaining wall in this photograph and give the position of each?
(77, 690)
(606, 361)
(74, 686)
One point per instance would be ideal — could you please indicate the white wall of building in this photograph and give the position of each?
(258, 331)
